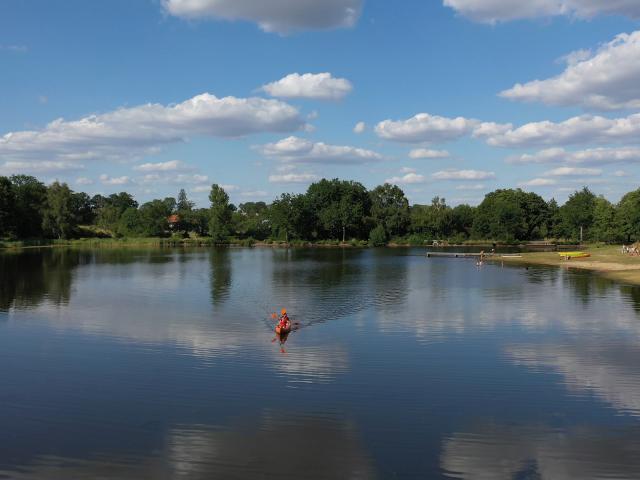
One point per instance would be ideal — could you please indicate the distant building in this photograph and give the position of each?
(173, 221)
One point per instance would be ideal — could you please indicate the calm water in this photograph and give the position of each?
(162, 364)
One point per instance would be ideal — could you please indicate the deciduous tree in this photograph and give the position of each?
(58, 217)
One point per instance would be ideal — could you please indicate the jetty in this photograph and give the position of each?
(456, 254)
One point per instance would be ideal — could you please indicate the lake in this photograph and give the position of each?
(162, 363)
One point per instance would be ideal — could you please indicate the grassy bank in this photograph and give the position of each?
(605, 260)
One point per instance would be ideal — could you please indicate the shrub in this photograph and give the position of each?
(377, 237)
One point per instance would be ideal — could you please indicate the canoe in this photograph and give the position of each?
(569, 255)
(282, 331)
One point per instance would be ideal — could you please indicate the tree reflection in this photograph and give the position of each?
(633, 294)
(220, 276)
(29, 278)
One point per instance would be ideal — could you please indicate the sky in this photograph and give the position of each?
(449, 98)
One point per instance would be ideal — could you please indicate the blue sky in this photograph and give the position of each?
(263, 96)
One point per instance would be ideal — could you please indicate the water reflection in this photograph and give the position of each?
(29, 279)
(608, 370)
(632, 293)
(496, 452)
(220, 275)
(409, 349)
(272, 446)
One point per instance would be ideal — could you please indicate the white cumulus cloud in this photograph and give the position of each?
(583, 129)
(107, 180)
(608, 80)
(419, 153)
(170, 166)
(493, 11)
(360, 127)
(293, 178)
(187, 178)
(316, 86)
(475, 186)
(463, 175)
(39, 167)
(129, 132)
(300, 150)
(408, 179)
(538, 182)
(573, 172)
(426, 128)
(254, 194)
(591, 156)
(281, 16)
(84, 181)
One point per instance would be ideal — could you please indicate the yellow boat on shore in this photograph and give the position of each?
(570, 255)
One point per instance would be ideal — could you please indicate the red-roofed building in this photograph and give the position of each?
(173, 221)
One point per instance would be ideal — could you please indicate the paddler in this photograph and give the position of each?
(285, 323)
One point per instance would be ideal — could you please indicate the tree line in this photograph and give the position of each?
(336, 210)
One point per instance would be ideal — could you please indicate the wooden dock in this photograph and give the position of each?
(455, 255)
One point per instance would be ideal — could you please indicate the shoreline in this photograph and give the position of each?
(206, 242)
(606, 262)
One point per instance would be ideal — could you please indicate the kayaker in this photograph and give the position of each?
(285, 323)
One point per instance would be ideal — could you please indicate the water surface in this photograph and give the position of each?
(162, 363)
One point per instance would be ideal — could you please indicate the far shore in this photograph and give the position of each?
(606, 261)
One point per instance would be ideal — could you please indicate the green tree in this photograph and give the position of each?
(390, 208)
(605, 227)
(462, 219)
(434, 221)
(220, 214)
(554, 220)
(184, 210)
(184, 204)
(7, 207)
(58, 217)
(81, 207)
(353, 208)
(200, 221)
(499, 217)
(251, 220)
(110, 209)
(576, 215)
(31, 196)
(282, 216)
(130, 223)
(154, 217)
(535, 212)
(509, 214)
(340, 207)
(170, 204)
(628, 216)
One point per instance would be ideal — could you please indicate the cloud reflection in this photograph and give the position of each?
(497, 452)
(273, 446)
(607, 370)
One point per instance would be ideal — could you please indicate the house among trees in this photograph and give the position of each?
(173, 221)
